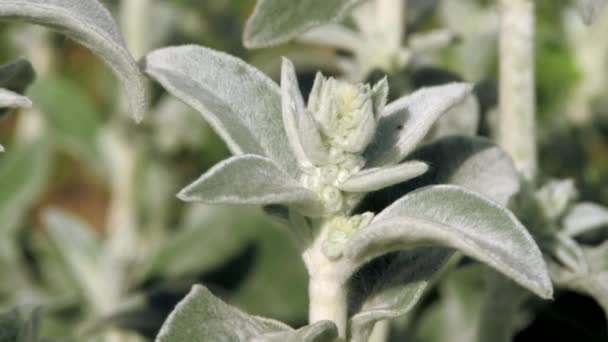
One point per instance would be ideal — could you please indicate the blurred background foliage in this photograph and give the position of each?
(92, 232)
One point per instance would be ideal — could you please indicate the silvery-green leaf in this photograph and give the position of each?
(16, 75)
(594, 282)
(589, 9)
(585, 217)
(454, 217)
(9, 99)
(334, 35)
(313, 145)
(474, 163)
(378, 178)
(322, 331)
(277, 21)
(568, 253)
(250, 179)
(390, 287)
(292, 107)
(405, 122)
(80, 250)
(555, 196)
(380, 95)
(91, 24)
(471, 162)
(23, 174)
(239, 102)
(201, 316)
(463, 119)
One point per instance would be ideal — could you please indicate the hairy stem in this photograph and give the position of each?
(516, 126)
(381, 331)
(134, 24)
(327, 288)
(328, 301)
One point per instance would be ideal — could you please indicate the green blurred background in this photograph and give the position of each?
(75, 160)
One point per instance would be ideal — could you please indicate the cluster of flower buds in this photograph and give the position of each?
(330, 133)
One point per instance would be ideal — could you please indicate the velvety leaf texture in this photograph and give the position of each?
(391, 286)
(277, 21)
(452, 216)
(323, 331)
(585, 217)
(405, 122)
(9, 99)
(239, 102)
(378, 178)
(201, 316)
(91, 24)
(250, 179)
(474, 163)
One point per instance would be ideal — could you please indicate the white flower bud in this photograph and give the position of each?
(340, 230)
(345, 113)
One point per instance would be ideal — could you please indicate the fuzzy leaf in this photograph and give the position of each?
(590, 9)
(390, 287)
(277, 21)
(292, 108)
(474, 163)
(201, 316)
(593, 282)
(9, 99)
(471, 162)
(91, 24)
(250, 179)
(322, 331)
(585, 217)
(239, 102)
(462, 119)
(378, 178)
(454, 217)
(334, 35)
(405, 122)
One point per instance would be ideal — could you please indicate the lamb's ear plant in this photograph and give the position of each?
(313, 162)
(375, 42)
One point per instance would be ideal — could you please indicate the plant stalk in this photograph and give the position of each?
(516, 126)
(327, 290)
(328, 301)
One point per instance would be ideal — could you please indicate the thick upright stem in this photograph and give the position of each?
(328, 301)
(516, 127)
(327, 288)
